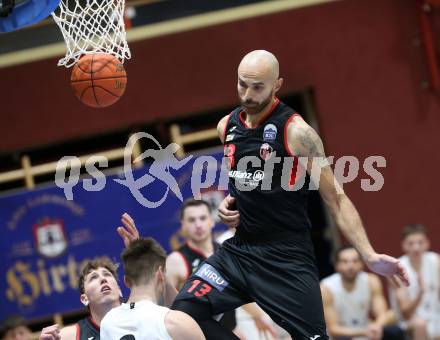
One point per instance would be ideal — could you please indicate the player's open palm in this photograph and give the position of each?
(389, 267)
(128, 232)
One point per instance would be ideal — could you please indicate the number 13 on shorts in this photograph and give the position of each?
(199, 288)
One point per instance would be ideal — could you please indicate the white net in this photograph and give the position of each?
(92, 26)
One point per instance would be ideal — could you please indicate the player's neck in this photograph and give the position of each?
(98, 312)
(349, 285)
(416, 262)
(139, 293)
(206, 247)
(253, 119)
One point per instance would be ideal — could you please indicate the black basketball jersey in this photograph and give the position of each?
(87, 330)
(270, 202)
(193, 257)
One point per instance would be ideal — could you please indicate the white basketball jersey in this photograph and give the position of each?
(429, 307)
(143, 320)
(352, 307)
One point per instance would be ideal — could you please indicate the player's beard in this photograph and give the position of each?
(253, 108)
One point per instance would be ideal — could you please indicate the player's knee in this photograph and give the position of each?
(197, 311)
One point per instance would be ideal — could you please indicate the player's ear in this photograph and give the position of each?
(183, 232)
(84, 300)
(160, 274)
(211, 221)
(405, 247)
(278, 84)
(427, 244)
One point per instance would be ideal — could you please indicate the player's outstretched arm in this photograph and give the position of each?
(303, 141)
(181, 326)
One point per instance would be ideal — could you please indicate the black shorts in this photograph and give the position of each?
(229, 320)
(279, 273)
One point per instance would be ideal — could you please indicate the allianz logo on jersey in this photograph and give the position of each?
(256, 175)
(249, 178)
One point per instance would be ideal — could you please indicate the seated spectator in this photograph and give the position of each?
(14, 328)
(418, 306)
(350, 296)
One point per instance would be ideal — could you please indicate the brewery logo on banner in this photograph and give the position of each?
(50, 237)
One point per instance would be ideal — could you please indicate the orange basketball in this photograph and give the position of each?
(98, 80)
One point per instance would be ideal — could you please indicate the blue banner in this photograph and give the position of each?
(46, 238)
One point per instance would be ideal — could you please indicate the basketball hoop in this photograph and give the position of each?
(92, 26)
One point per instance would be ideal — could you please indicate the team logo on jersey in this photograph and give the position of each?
(212, 276)
(229, 137)
(270, 132)
(50, 238)
(195, 264)
(266, 151)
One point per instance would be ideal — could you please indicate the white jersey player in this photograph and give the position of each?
(142, 318)
(139, 320)
(350, 296)
(352, 307)
(418, 306)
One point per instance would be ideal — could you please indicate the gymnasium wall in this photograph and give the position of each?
(362, 59)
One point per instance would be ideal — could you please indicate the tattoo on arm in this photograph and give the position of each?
(311, 143)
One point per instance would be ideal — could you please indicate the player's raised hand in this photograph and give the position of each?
(389, 267)
(50, 333)
(128, 232)
(227, 213)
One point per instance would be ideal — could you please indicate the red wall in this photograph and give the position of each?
(359, 56)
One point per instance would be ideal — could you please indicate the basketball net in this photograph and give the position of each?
(92, 26)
